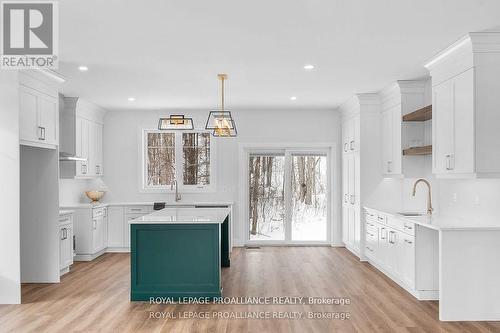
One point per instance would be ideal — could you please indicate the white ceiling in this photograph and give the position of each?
(167, 53)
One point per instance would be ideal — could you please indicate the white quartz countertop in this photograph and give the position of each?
(440, 222)
(66, 212)
(184, 215)
(142, 203)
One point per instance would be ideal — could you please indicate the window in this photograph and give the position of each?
(183, 156)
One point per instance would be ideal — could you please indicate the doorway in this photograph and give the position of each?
(288, 196)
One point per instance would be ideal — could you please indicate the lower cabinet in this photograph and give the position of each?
(390, 245)
(65, 243)
(119, 228)
(91, 232)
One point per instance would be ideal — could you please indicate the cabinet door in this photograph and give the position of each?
(406, 259)
(356, 136)
(115, 227)
(383, 244)
(97, 234)
(48, 119)
(82, 146)
(91, 148)
(442, 126)
(345, 135)
(351, 181)
(387, 146)
(462, 156)
(351, 222)
(357, 227)
(98, 152)
(65, 246)
(396, 155)
(345, 180)
(345, 224)
(126, 240)
(28, 104)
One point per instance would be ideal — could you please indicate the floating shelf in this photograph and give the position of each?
(422, 114)
(424, 150)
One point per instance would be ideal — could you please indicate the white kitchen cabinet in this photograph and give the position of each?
(466, 81)
(65, 242)
(38, 114)
(360, 140)
(116, 228)
(396, 252)
(399, 99)
(82, 136)
(91, 232)
(454, 125)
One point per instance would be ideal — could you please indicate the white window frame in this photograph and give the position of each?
(333, 218)
(179, 161)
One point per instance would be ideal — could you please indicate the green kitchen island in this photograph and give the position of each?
(178, 252)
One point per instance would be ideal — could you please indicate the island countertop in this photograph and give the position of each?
(184, 216)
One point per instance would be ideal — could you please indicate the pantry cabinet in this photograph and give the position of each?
(39, 113)
(466, 81)
(358, 114)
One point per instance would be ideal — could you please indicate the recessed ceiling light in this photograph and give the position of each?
(308, 67)
(293, 98)
(131, 99)
(83, 68)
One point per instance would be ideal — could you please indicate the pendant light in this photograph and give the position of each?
(176, 122)
(220, 121)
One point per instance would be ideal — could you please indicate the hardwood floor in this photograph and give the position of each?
(94, 297)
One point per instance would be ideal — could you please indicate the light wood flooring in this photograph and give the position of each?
(94, 297)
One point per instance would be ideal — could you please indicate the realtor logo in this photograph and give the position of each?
(29, 34)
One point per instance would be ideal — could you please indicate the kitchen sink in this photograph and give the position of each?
(412, 214)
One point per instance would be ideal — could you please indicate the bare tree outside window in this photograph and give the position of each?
(196, 153)
(160, 159)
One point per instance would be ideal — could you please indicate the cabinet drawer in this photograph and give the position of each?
(371, 227)
(99, 212)
(371, 216)
(371, 235)
(137, 210)
(409, 228)
(382, 219)
(65, 219)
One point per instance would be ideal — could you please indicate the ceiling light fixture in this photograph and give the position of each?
(176, 122)
(83, 68)
(308, 67)
(131, 99)
(221, 121)
(293, 98)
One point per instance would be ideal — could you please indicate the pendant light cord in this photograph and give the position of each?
(222, 95)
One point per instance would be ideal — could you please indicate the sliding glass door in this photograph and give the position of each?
(288, 196)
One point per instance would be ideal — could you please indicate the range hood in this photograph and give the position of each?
(70, 157)
(67, 130)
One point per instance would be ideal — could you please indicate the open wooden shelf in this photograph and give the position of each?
(424, 150)
(422, 114)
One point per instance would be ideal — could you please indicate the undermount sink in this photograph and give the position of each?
(412, 214)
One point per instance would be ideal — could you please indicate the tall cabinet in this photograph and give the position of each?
(360, 152)
(466, 82)
(400, 99)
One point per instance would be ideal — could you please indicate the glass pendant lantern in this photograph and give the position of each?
(220, 122)
(176, 122)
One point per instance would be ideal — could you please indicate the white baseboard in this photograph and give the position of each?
(118, 250)
(88, 257)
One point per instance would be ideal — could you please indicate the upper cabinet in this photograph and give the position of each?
(81, 138)
(466, 81)
(350, 135)
(39, 113)
(399, 100)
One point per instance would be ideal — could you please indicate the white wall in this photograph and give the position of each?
(122, 151)
(10, 277)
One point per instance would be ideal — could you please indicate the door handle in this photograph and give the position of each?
(409, 242)
(351, 145)
(94, 224)
(345, 147)
(352, 199)
(389, 163)
(345, 198)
